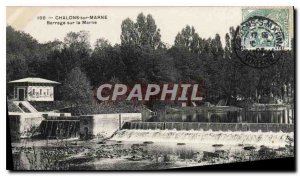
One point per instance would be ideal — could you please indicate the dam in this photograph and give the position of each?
(256, 127)
(198, 126)
(48, 126)
(106, 126)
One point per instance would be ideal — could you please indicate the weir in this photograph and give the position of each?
(278, 139)
(60, 127)
(198, 126)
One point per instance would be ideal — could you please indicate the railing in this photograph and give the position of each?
(254, 127)
(24, 108)
(27, 105)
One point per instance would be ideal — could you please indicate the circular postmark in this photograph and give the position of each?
(257, 42)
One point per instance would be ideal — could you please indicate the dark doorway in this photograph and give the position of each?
(21, 94)
(86, 133)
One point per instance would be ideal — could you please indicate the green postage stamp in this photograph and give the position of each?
(266, 28)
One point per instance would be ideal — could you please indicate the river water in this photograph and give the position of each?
(137, 149)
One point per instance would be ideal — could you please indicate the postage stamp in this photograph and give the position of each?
(262, 34)
(265, 28)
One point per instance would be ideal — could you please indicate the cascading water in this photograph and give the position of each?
(205, 137)
(62, 129)
(254, 127)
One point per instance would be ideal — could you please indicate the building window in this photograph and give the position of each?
(33, 91)
(47, 91)
(41, 92)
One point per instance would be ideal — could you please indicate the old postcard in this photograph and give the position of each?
(149, 88)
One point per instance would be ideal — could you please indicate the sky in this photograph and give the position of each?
(170, 20)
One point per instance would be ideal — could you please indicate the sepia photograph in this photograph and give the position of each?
(149, 88)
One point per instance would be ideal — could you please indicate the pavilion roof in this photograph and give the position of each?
(34, 80)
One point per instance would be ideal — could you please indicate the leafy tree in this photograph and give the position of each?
(104, 64)
(76, 89)
(188, 65)
(78, 40)
(101, 44)
(20, 42)
(142, 57)
(189, 39)
(20, 47)
(216, 46)
(76, 49)
(143, 32)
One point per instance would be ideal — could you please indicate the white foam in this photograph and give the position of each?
(205, 137)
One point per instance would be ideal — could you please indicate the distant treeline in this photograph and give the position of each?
(142, 57)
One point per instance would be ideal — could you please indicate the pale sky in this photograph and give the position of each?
(207, 21)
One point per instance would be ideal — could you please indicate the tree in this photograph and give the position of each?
(78, 40)
(76, 89)
(189, 39)
(20, 49)
(104, 64)
(141, 49)
(142, 33)
(188, 65)
(143, 58)
(156, 66)
(216, 46)
(101, 44)
(20, 42)
(76, 49)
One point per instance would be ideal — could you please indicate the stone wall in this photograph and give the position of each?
(23, 125)
(105, 125)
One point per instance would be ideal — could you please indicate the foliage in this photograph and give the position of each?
(143, 58)
(77, 90)
(142, 33)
